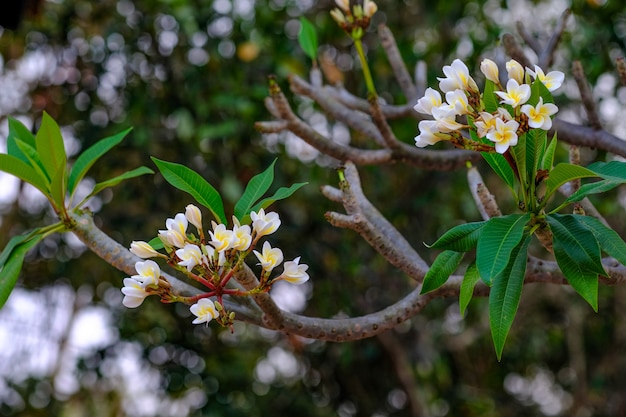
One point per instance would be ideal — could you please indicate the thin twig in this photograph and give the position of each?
(388, 42)
(546, 57)
(514, 50)
(585, 95)
(530, 40)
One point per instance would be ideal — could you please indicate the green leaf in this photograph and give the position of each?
(519, 153)
(615, 170)
(538, 89)
(114, 181)
(445, 264)
(15, 166)
(592, 188)
(548, 157)
(501, 167)
(461, 238)
(307, 37)
(33, 159)
(280, 194)
(156, 243)
(577, 253)
(12, 260)
(58, 187)
(609, 240)
(471, 277)
(258, 185)
(90, 156)
(505, 295)
(489, 97)
(17, 131)
(496, 244)
(563, 173)
(189, 181)
(50, 147)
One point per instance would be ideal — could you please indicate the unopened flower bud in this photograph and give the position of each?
(490, 69)
(515, 71)
(143, 249)
(193, 214)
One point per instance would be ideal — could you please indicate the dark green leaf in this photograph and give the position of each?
(501, 167)
(12, 265)
(470, 279)
(258, 185)
(592, 188)
(519, 153)
(307, 37)
(609, 240)
(496, 243)
(548, 157)
(17, 131)
(14, 166)
(614, 170)
(33, 159)
(50, 146)
(563, 173)
(577, 252)
(280, 194)
(191, 182)
(489, 97)
(461, 238)
(90, 156)
(445, 264)
(505, 295)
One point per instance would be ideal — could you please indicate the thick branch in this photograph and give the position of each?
(588, 136)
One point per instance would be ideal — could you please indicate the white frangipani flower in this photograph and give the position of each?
(221, 237)
(445, 116)
(242, 236)
(427, 136)
(457, 99)
(264, 224)
(516, 94)
(515, 71)
(457, 77)
(190, 256)
(176, 232)
(134, 293)
(539, 116)
(148, 273)
(431, 99)
(490, 69)
(270, 257)
(504, 135)
(204, 310)
(143, 249)
(295, 273)
(551, 80)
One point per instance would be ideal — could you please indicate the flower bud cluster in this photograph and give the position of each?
(211, 260)
(354, 20)
(501, 127)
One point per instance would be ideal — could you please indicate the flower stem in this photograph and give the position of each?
(369, 82)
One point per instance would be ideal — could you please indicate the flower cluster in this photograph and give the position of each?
(209, 260)
(500, 115)
(356, 19)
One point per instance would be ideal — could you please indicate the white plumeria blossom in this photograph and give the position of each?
(204, 310)
(445, 116)
(142, 249)
(431, 99)
(487, 121)
(552, 80)
(270, 257)
(190, 256)
(148, 273)
(176, 231)
(428, 129)
(457, 99)
(490, 69)
(194, 216)
(221, 237)
(504, 135)
(515, 71)
(242, 236)
(134, 293)
(516, 94)
(264, 224)
(295, 273)
(457, 77)
(539, 116)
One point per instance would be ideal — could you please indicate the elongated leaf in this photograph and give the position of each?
(11, 267)
(548, 157)
(540, 140)
(17, 131)
(577, 253)
(610, 242)
(33, 159)
(501, 167)
(57, 187)
(280, 194)
(307, 37)
(563, 173)
(114, 181)
(489, 97)
(445, 264)
(496, 243)
(156, 243)
(592, 188)
(14, 242)
(50, 147)
(15, 166)
(471, 277)
(191, 182)
(90, 156)
(537, 89)
(614, 170)
(519, 153)
(258, 185)
(505, 295)
(461, 238)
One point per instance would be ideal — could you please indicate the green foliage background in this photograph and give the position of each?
(203, 116)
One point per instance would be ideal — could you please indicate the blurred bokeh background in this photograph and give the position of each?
(190, 77)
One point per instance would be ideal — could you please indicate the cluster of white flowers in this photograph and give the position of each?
(210, 261)
(503, 126)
